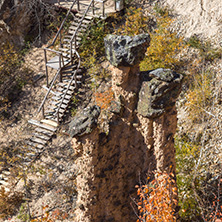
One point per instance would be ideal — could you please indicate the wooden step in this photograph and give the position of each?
(32, 155)
(66, 97)
(54, 117)
(53, 109)
(38, 140)
(65, 85)
(67, 71)
(78, 34)
(6, 173)
(63, 90)
(55, 103)
(68, 67)
(80, 30)
(2, 177)
(69, 92)
(37, 123)
(49, 122)
(87, 17)
(66, 50)
(57, 99)
(78, 38)
(83, 25)
(67, 38)
(78, 76)
(64, 106)
(4, 183)
(72, 31)
(72, 71)
(62, 111)
(45, 132)
(35, 145)
(68, 41)
(41, 136)
(31, 149)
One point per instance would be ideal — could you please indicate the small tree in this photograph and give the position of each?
(157, 199)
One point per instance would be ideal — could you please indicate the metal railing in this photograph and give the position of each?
(58, 34)
(61, 62)
(79, 25)
(70, 83)
(49, 90)
(60, 55)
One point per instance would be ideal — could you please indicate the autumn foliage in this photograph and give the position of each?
(157, 199)
(103, 99)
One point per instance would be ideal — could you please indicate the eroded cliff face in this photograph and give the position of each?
(110, 165)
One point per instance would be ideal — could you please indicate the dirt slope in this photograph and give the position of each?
(201, 17)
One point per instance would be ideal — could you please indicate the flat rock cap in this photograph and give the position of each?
(126, 50)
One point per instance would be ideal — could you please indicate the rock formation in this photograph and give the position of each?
(126, 50)
(140, 137)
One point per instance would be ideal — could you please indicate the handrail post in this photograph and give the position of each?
(60, 39)
(93, 4)
(74, 42)
(43, 112)
(78, 6)
(71, 51)
(103, 9)
(60, 74)
(46, 69)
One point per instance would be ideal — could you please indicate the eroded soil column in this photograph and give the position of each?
(140, 137)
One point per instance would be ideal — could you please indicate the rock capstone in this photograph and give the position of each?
(126, 50)
(159, 91)
(84, 122)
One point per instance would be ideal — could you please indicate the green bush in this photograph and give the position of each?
(207, 52)
(186, 156)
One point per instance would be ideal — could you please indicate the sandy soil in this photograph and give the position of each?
(26, 105)
(200, 17)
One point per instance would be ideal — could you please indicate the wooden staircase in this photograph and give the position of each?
(66, 81)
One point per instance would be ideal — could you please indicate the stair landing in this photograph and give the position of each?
(109, 5)
(54, 62)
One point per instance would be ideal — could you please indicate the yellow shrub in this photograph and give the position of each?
(199, 96)
(164, 47)
(136, 23)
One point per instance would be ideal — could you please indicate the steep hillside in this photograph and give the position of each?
(196, 17)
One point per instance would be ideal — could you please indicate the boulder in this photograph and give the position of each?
(84, 122)
(126, 50)
(159, 91)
